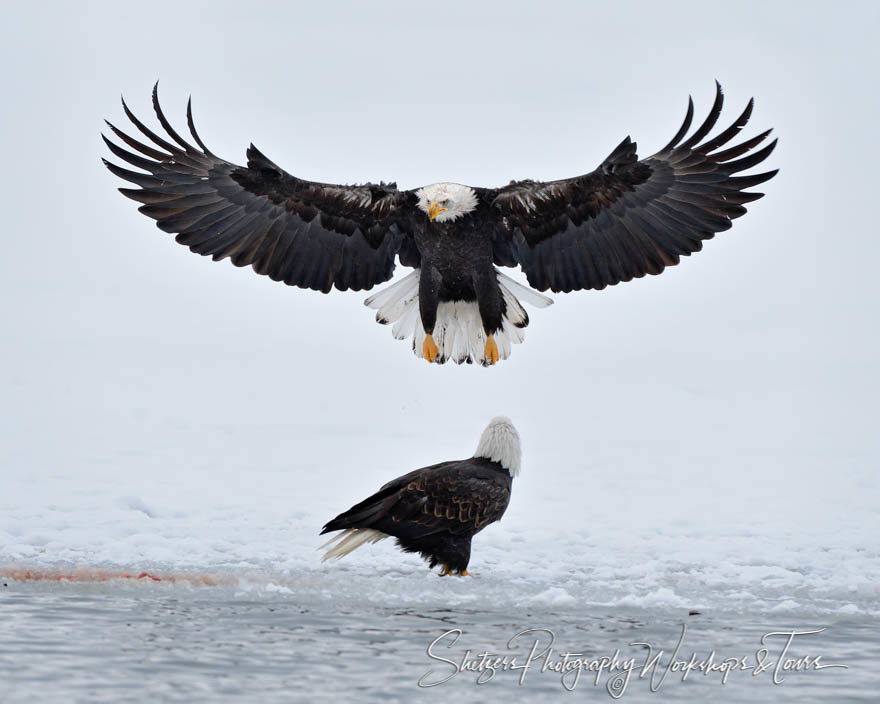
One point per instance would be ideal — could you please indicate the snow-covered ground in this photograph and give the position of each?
(737, 527)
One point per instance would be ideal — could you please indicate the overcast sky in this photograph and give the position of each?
(117, 339)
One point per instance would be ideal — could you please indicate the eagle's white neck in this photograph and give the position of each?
(500, 443)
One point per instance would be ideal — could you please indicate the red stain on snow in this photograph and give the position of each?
(91, 574)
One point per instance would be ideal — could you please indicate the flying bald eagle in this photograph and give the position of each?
(436, 510)
(626, 219)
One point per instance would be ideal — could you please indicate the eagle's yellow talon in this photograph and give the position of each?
(446, 571)
(491, 350)
(429, 349)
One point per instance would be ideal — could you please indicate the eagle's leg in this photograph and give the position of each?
(429, 298)
(492, 308)
(454, 553)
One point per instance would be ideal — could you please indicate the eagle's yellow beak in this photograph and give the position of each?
(434, 209)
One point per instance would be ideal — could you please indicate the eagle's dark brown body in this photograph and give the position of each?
(435, 511)
(456, 265)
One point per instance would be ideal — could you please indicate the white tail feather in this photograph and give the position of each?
(406, 326)
(516, 314)
(458, 332)
(386, 301)
(350, 540)
(529, 295)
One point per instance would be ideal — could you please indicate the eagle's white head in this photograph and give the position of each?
(445, 202)
(500, 443)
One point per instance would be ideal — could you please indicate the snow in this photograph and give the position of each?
(626, 531)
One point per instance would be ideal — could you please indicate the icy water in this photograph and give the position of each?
(118, 641)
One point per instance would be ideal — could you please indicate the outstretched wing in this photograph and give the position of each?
(307, 234)
(628, 218)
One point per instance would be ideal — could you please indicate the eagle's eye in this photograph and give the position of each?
(444, 202)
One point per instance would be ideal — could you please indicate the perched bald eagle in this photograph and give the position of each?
(436, 510)
(626, 219)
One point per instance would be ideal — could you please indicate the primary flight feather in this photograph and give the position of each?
(625, 219)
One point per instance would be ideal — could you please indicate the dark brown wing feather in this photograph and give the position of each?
(307, 234)
(628, 218)
(459, 498)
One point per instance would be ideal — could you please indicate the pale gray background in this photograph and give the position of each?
(121, 348)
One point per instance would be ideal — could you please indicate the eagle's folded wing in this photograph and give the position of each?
(307, 234)
(628, 218)
(452, 501)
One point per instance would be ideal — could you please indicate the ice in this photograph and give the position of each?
(553, 596)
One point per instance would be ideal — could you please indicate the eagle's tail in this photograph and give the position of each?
(459, 333)
(349, 540)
